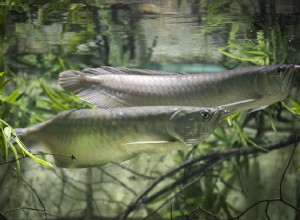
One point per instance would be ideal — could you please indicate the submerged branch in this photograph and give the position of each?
(211, 160)
(37, 196)
(280, 199)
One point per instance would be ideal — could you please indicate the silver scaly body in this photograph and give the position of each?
(99, 136)
(235, 90)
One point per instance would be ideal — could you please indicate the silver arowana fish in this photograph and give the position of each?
(93, 137)
(235, 90)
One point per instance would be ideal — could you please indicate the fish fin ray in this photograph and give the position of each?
(259, 108)
(150, 147)
(107, 70)
(71, 80)
(147, 142)
(74, 81)
(236, 106)
(100, 98)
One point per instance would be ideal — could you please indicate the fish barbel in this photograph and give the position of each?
(234, 90)
(99, 136)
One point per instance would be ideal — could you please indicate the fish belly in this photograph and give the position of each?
(90, 145)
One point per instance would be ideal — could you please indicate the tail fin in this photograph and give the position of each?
(29, 141)
(71, 80)
(86, 87)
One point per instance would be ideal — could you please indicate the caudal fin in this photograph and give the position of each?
(88, 88)
(71, 80)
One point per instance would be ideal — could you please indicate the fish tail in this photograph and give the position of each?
(74, 81)
(71, 80)
(81, 83)
(28, 140)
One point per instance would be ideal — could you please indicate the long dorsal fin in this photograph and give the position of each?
(105, 70)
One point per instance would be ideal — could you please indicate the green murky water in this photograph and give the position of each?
(40, 39)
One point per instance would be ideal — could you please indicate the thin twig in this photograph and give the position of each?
(266, 210)
(118, 181)
(197, 171)
(34, 191)
(36, 154)
(22, 208)
(280, 199)
(203, 210)
(288, 165)
(132, 171)
(196, 179)
(210, 156)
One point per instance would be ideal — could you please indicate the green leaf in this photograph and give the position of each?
(11, 136)
(12, 98)
(6, 132)
(295, 109)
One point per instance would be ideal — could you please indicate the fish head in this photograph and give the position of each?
(277, 80)
(193, 124)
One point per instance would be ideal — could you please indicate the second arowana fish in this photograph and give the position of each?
(91, 137)
(235, 90)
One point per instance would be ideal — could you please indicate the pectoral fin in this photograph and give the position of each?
(259, 108)
(152, 147)
(147, 142)
(241, 105)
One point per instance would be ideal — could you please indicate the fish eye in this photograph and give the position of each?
(281, 69)
(205, 114)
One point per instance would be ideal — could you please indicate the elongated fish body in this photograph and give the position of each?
(235, 90)
(99, 136)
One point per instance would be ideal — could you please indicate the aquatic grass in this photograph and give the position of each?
(237, 134)
(258, 52)
(263, 50)
(60, 100)
(3, 82)
(234, 121)
(216, 17)
(11, 137)
(6, 144)
(31, 102)
(294, 108)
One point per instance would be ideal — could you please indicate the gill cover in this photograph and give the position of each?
(190, 126)
(277, 80)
